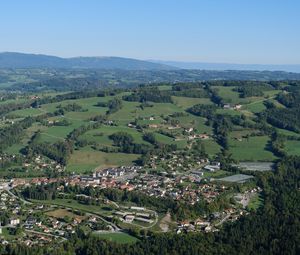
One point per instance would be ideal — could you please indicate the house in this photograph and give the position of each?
(129, 218)
(237, 107)
(137, 208)
(14, 222)
(189, 130)
(213, 166)
(204, 136)
(143, 220)
(153, 126)
(208, 229)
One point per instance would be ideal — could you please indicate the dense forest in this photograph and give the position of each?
(152, 94)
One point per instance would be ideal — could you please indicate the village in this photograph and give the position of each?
(34, 222)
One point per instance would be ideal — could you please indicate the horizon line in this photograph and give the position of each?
(150, 60)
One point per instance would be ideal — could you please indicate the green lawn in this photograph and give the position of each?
(86, 103)
(217, 174)
(121, 238)
(287, 132)
(15, 148)
(242, 132)
(252, 149)
(187, 102)
(255, 107)
(57, 133)
(168, 140)
(131, 110)
(106, 131)
(211, 147)
(70, 203)
(195, 122)
(228, 95)
(228, 112)
(27, 112)
(292, 147)
(87, 160)
(165, 87)
(7, 235)
(255, 202)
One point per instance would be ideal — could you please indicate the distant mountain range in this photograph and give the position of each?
(22, 60)
(228, 66)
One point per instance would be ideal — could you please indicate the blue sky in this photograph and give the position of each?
(231, 31)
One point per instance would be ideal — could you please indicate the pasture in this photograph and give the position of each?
(86, 160)
(187, 102)
(292, 147)
(118, 237)
(252, 149)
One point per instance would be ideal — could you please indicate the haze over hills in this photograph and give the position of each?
(230, 66)
(22, 60)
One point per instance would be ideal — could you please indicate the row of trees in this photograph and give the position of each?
(12, 134)
(152, 94)
(126, 144)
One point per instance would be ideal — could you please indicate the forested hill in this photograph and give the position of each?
(70, 79)
(21, 60)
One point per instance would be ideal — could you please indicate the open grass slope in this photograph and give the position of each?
(187, 102)
(119, 237)
(252, 149)
(85, 160)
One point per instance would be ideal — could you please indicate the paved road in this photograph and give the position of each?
(114, 226)
(21, 199)
(45, 234)
(222, 221)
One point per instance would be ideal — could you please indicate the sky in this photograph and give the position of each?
(218, 31)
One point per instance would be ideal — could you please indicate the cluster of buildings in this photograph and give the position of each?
(177, 161)
(190, 186)
(136, 214)
(40, 163)
(232, 107)
(33, 224)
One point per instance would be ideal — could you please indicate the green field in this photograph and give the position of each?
(186, 102)
(217, 174)
(255, 107)
(131, 110)
(15, 148)
(251, 149)
(233, 97)
(87, 160)
(211, 147)
(255, 202)
(101, 135)
(119, 237)
(196, 122)
(292, 147)
(73, 204)
(159, 118)
(230, 96)
(27, 112)
(287, 132)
